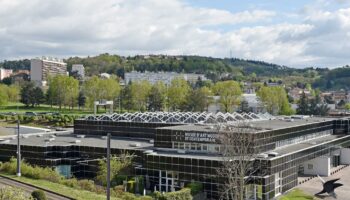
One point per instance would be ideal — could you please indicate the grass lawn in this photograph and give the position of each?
(21, 108)
(297, 194)
(62, 189)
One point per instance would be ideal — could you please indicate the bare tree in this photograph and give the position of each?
(238, 159)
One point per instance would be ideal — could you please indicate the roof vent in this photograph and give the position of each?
(40, 135)
(49, 139)
(273, 154)
(136, 144)
(52, 136)
(77, 141)
(262, 155)
(80, 136)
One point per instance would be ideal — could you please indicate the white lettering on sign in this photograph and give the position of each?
(200, 137)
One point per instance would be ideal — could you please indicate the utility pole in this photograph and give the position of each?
(18, 150)
(108, 165)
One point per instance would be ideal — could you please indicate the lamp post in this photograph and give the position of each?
(108, 166)
(18, 150)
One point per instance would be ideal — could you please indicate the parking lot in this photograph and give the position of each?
(11, 130)
(315, 185)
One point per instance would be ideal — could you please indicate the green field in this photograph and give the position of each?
(61, 189)
(21, 108)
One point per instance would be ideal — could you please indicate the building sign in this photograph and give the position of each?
(200, 137)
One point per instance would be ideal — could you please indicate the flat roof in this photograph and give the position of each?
(68, 139)
(261, 125)
(290, 149)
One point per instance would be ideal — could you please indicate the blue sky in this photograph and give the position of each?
(296, 33)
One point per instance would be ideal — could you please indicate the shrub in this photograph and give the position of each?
(20, 117)
(87, 185)
(39, 195)
(2, 117)
(195, 187)
(183, 194)
(73, 182)
(131, 186)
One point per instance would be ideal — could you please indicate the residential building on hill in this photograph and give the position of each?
(5, 73)
(80, 69)
(165, 77)
(42, 68)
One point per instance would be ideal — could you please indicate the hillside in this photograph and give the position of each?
(214, 68)
(189, 64)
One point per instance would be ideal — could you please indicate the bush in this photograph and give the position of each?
(2, 117)
(131, 186)
(30, 171)
(87, 185)
(195, 187)
(39, 195)
(184, 194)
(73, 182)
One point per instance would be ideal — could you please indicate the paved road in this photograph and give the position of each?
(343, 193)
(29, 189)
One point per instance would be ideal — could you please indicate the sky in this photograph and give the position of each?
(295, 33)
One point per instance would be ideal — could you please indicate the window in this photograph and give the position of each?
(204, 147)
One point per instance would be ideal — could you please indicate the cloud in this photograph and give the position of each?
(129, 27)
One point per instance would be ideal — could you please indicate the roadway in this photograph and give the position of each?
(29, 189)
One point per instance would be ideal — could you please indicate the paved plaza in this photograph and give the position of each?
(315, 185)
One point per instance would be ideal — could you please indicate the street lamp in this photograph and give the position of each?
(18, 149)
(108, 166)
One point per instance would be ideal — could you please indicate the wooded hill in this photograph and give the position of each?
(215, 69)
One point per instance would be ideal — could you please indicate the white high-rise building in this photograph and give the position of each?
(80, 69)
(42, 68)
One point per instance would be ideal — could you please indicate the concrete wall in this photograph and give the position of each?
(318, 166)
(345, 156)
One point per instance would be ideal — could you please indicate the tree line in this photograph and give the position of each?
(179, 95)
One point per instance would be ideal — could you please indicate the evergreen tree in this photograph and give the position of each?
(303, 107)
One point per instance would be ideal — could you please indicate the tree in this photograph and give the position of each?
(13, 193)
(31, 95)
(199, 99)
(96, 89)
(117, 164)
(127, 98)
(238, 159)
(139, 92)
(177, 93)
(13, 93)
(229, 92)
(81, 100)
(303, 107)
(63, 90)
(157, 97)
(38, 96)
(347, 106)
(3, 95)
(275, 100)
